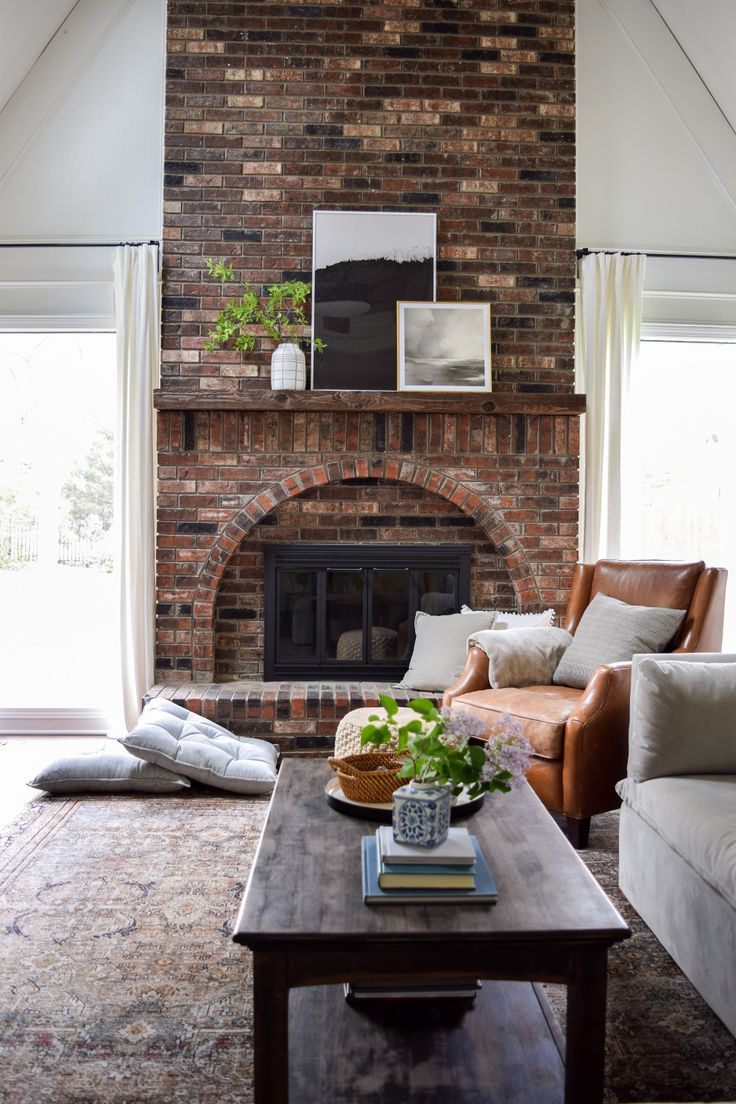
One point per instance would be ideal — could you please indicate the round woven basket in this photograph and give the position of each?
(371, 777)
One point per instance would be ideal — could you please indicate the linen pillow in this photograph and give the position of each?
(440, 648)
(106, 772)
(522, 657)
(683, 719)
(611, 631)
(173, 737)
(511, 620)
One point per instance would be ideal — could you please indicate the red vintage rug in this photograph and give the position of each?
(120, 983)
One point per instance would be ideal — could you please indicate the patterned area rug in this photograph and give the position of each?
(121, 984)
(120, 980)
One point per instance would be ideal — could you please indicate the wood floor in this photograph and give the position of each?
(21, 757)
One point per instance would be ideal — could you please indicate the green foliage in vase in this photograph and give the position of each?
(436, 747)
(282, 313)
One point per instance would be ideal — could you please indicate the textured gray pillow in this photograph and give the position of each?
(106, 772)
(440, 648)
(683, 719)
(611, 631)
(176, 738)
(522, 657)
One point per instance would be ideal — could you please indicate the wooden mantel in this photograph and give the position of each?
(388, 402)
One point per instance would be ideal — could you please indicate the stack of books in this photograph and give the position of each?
(397, 873)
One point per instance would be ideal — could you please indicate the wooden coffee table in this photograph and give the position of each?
(304, 919)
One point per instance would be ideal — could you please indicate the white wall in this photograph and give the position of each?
(81, 157)
(656, 155)
(656, 112)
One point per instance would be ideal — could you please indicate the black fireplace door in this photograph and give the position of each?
(347, 611)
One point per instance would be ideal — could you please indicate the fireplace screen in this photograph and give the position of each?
(347, 611)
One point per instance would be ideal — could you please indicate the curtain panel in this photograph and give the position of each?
(137, 316)
(611, 287)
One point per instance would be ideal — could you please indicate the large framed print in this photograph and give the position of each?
(363, 264)
(444, 346)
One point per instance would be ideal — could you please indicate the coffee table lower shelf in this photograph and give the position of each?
(500, 1048)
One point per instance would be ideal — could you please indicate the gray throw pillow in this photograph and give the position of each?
(683, 719)
(611, 631)
(106, 772)
(176, 738)
(440, 648)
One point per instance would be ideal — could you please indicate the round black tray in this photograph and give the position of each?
(363, 810)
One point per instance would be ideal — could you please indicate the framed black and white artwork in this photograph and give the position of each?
(444, 346)
(363, 263)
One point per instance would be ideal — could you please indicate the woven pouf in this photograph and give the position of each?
(383, 644)
(347, 737)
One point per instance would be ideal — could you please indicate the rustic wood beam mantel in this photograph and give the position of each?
(381, 402)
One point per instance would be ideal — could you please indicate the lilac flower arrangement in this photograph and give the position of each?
(436, 747)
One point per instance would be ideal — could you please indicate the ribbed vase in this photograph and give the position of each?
(288, 368)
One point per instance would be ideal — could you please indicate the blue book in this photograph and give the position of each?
(483, 893)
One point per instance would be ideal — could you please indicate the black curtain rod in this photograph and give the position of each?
(73, 245)
(643, 252)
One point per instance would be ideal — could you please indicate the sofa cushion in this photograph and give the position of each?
(696, 816)
(522, 657)
(106, 772)
(440, 648)
(511, 620)
(611, 631)
(174, 737)
(683, 719)
(542, 711)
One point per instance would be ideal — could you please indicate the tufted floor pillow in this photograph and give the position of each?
(185, 742)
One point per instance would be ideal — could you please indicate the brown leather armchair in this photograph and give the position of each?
(580, 737)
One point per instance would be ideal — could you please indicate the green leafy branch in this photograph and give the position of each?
(281, 314)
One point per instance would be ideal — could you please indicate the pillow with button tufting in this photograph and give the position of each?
(182, 741)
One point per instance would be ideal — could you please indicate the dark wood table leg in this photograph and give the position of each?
(270, 1028)
(586, 1027)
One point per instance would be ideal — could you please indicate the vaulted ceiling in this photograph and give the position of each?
(28, 27)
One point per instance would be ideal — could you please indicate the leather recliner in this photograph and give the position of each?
(580, 737)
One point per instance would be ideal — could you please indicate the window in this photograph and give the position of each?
(680, 494)
(57, 417)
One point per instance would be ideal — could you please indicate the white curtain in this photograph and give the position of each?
(611, 288)
(137, 316)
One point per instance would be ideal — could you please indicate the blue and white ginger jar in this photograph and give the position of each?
(421, 813)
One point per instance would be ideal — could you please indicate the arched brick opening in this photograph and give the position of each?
(470, 503)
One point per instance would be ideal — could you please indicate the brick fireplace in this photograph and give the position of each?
(464, 108)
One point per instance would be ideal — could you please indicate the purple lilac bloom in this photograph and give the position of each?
(460, 725)
(507, 749)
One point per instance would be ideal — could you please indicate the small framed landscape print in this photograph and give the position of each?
(444, 346)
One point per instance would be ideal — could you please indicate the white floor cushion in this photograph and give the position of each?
(176, 738)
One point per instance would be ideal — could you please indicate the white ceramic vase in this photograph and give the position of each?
(288, 368)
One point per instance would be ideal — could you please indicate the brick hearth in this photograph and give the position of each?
(300, 717)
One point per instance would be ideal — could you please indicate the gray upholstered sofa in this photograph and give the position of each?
(678, 819)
